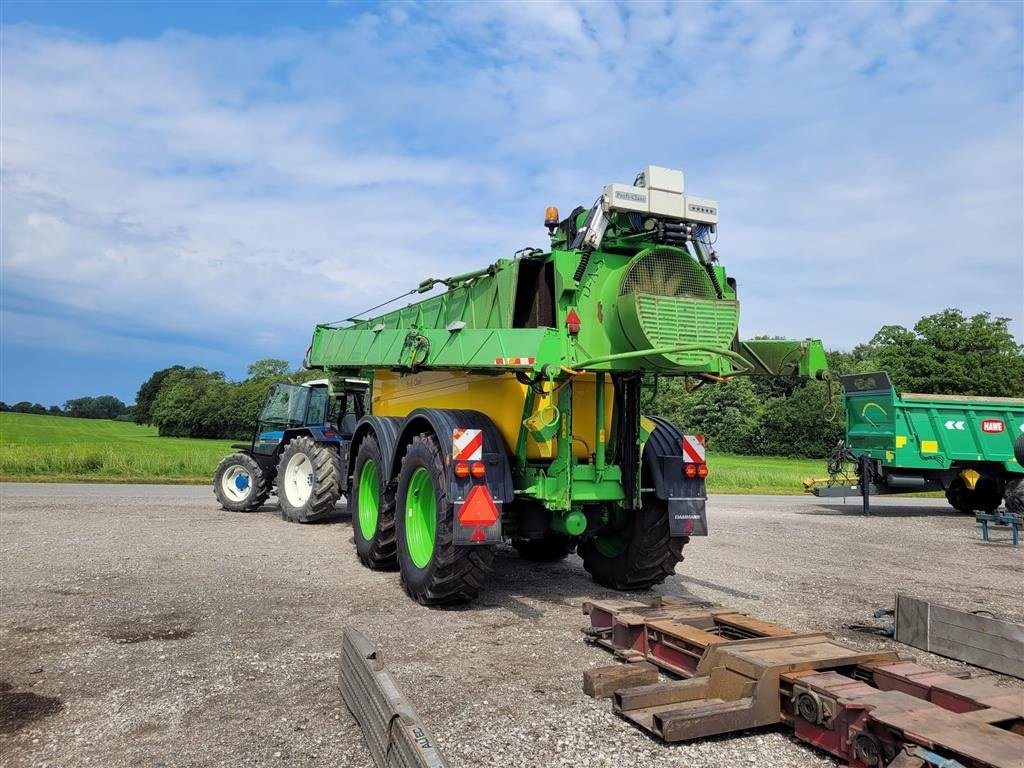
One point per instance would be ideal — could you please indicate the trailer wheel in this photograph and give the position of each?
(1018, 450)
(960, 496)
(985, 497)
(988, 493)
(308, 480)
(639, 554)
(553, 546)
(1013, 496)
(373, 508)
(434, 570)
(239, 484)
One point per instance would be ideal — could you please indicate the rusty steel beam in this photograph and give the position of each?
(395, 735)
(870, 708)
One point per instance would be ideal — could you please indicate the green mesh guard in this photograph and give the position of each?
(667, 272)
(667, 299)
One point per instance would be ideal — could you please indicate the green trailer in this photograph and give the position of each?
(972, 448)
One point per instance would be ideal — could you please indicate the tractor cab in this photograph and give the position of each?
(312, 408)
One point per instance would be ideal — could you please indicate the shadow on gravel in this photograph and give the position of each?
(20, 708)
(854, 510)
(717, 587)
(514, 584)
(270, 511)
(164, 626)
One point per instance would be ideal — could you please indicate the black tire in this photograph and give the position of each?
(379, 551)
(226, 481)
(988, 493)
(553, 546)
(1018, 450)
(649, 556)
(1013, 496)
(453, 574)
(960, 497)
(323, 474)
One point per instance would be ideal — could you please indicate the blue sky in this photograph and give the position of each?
(201, 183)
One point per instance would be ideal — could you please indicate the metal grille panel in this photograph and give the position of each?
(667, 272)
(668, 321)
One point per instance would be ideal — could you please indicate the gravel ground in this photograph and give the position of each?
(143, 626)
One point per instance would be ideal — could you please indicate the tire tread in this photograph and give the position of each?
(458, 572)
(326, 480)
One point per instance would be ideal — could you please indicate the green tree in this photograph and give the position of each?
(26, 407)
(103, 407)
(147, 394)
(801, 424)
(948, 353)
(270, 368)
(193, 402)
(724, 413)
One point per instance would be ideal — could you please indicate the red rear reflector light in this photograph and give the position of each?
(691, 470)
(462, 469)
(477, 469)
(329, 433)
(702, 471)
(572, 321)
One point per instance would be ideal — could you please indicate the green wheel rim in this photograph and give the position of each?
(420, 518)
(610, 545)
(369, 499)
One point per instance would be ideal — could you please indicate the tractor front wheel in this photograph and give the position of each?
(434, 570)
(308, 480)
(639, 553)
(239, 484)
(373, 508)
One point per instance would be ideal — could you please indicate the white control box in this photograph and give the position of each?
(666, 205)
(701, 210)
(625, 197)
(661, 196)
(664, 179)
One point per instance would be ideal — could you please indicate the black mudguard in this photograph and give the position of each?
(664, 467)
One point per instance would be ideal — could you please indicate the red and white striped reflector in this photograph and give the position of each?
(515, 360)
(693, 448)
(467, 444)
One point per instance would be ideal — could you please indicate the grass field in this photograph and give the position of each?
(58, 449)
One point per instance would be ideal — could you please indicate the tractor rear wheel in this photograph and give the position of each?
(434, 570)
(639, 554)
(239, 484)
(553, 546)
(308, 480)
(373, 508)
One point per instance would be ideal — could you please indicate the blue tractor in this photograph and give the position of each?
(298, 451)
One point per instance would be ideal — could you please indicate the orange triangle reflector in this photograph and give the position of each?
(479, 508)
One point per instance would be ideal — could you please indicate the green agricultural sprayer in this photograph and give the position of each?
(508, 406)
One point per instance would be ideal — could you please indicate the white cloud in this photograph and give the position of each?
(867, 158)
